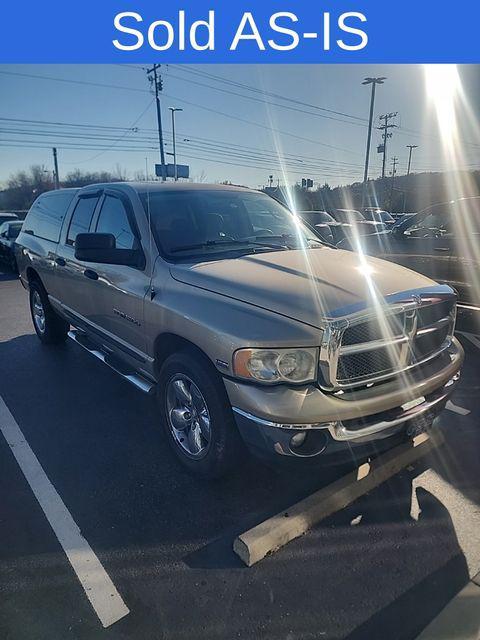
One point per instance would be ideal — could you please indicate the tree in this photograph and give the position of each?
(24, 186)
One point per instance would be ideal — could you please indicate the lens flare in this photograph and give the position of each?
(443, 87)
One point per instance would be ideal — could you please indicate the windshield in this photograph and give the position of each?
(203, 222)
(348, 215)
(386, 217)
(316, 217)
(462, 216)
(378, 216)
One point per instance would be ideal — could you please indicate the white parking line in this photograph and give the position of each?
(99, 588)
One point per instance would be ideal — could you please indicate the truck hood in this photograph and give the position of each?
(306, 285)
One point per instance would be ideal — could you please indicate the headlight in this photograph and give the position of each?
(276, 365)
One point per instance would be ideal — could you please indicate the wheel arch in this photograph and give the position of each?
(167, 344)
(33, 276)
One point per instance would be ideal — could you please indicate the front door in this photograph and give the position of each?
(118, 291)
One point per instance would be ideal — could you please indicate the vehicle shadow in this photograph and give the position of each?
(163, 535)
(414, 608)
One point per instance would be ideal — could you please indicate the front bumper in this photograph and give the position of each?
(371, 420)
(343, 440)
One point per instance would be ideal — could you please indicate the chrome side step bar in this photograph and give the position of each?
(138, 381)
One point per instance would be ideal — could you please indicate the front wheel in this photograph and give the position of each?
(196, 415)
(49, 327)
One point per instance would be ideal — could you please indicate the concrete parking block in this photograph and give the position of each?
(274, 533)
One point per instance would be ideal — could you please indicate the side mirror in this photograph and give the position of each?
(101, 248)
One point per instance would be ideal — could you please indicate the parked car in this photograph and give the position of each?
(353, 224)
(8, 232)
(378, 215)
(441, 242)
(294, 347)
(398, 217)
(7, 217)
(322, 222)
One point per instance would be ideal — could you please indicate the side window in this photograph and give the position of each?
(113, 219)
(81, 218)
(45, 218)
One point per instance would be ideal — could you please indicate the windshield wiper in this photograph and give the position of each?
(226, 243)
(293, 236)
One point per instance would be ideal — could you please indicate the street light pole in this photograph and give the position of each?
(173, 110)
(411, 147)
(373, 82)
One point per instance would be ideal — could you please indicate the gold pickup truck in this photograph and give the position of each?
(244, 324)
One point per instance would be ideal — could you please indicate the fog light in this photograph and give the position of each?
(298, 439)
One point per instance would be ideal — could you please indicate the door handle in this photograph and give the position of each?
(90, 273)
(60, 261)
(444, 249)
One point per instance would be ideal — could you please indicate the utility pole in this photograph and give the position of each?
(394, 171)
(411, 147)
(156, 80)
(173, 110)
(373, 82)
(385, 135)
(56, 178)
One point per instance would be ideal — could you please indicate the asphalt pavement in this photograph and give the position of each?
(382, 568)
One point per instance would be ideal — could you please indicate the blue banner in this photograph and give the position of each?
(196, 31)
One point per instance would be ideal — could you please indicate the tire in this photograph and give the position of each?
(49, 327)
(221, 442)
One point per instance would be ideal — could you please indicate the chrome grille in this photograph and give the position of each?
(374, 329)
(358, 365)
(366, 347)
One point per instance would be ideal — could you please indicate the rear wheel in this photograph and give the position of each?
(49, 327)
(197, 416)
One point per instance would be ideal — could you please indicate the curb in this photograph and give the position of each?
(272, 534)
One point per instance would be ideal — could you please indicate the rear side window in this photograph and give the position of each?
(45, 218)
(113, 219)
(81, 218)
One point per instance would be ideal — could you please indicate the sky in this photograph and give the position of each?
(240, 123)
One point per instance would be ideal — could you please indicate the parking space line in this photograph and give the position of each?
(98, 587)
(272, 534)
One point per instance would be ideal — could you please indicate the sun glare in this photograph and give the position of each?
(443, 87)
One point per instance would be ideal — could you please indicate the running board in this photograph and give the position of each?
(134, 378)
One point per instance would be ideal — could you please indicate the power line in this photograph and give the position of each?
(273, 104)
(192, 104)
(188, 69)
(187, 149)
(401, 129)
(203, 158)
(108, 137)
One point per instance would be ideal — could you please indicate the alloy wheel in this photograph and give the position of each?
(188, 416)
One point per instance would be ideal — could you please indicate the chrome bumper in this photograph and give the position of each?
(349, 430)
